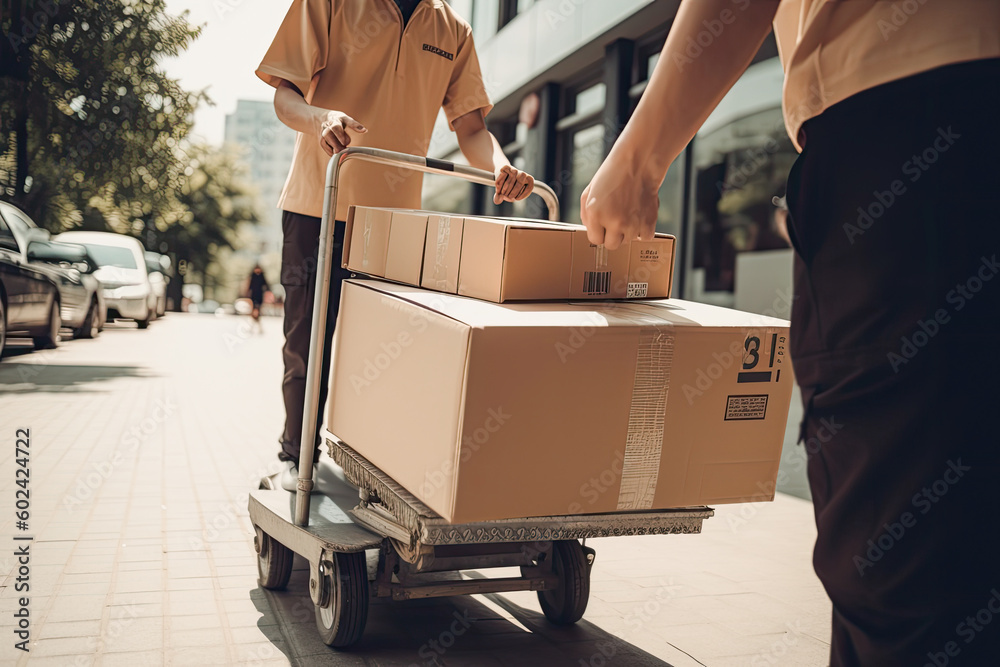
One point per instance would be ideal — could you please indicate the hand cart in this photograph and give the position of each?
(415, 546)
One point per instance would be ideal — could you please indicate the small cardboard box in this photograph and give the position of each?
(385, 243)
(486, 411)
(366, 240)
(442, 253)
(404, 260)
(528, 260)
(503, 260)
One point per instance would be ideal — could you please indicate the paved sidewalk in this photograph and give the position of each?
(144, 445)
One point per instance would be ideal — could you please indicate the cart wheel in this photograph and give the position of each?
(274, 561)
(566, 604)
(342, 616)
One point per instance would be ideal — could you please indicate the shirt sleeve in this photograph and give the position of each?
(466, 92)
(301, 47)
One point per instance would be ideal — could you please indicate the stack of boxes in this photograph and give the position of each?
(512, 369)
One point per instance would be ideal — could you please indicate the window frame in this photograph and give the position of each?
(570, 123)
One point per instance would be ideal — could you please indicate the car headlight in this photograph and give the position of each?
(131, 291)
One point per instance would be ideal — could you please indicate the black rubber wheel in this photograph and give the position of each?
(91, 324)
(143, 324)
(341, 621)
(51, 339)
(274, 561)
(3, 327)
(566, 604)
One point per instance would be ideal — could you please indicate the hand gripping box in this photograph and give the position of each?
(503, 260)
(486, 411)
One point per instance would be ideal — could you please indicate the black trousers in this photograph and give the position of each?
(299, 256)
(895, 218)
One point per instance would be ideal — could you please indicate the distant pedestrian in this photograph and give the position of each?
(257, 288)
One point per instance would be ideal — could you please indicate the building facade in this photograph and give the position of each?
(566, 75)
(266, 146)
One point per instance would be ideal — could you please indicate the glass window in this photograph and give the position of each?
(463, 8)
(738, 170)
(581, 141)
(586, 157)
(485, 19)
(448, 194)
(7, 239)
(670, 217)
(509, 9)
(590, 100)
(106, 255)
(651, 64)
(671, 213)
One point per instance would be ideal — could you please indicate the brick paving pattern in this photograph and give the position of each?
(144, 445)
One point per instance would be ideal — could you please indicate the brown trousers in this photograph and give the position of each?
(895, 218)
(298, 276)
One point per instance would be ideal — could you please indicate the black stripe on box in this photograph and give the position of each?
(760, 376)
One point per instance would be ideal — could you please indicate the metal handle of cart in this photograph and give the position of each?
(323, 273)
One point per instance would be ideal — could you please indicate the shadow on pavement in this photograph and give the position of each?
(23, 378)
(444, 632)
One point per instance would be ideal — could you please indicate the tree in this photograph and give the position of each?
(215, 200)
(85, 109)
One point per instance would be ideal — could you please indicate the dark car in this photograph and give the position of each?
(71, 266)
(29, 296)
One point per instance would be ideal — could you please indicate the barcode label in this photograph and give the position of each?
(740, 408)
(637, 291)
(596, 282)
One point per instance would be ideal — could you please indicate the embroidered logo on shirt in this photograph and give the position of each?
(443, 54)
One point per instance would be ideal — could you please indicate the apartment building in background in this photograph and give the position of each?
(266, 146)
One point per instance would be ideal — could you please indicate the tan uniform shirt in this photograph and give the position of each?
(833, 49)
(355, 56)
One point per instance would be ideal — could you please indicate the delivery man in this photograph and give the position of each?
(364, 73)
(894, 213)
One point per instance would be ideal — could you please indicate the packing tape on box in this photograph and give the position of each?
(647, 414)
(440, 274)
(367, 237)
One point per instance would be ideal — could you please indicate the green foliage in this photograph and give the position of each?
(93, 131)
(214, 199)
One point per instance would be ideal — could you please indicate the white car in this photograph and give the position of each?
(122, 272)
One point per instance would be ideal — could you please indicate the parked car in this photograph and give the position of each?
(122, 272)
(29, 297)
(158, 268)
(81, 301)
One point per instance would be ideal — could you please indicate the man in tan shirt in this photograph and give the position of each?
(364, 73)
(894, 213)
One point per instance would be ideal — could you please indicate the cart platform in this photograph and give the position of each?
(367, 510)
(389, 509)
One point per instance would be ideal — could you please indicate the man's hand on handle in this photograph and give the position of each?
(512, 185)
(334, 127)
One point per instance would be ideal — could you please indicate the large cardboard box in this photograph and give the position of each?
(503, 260)
(486, 411)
